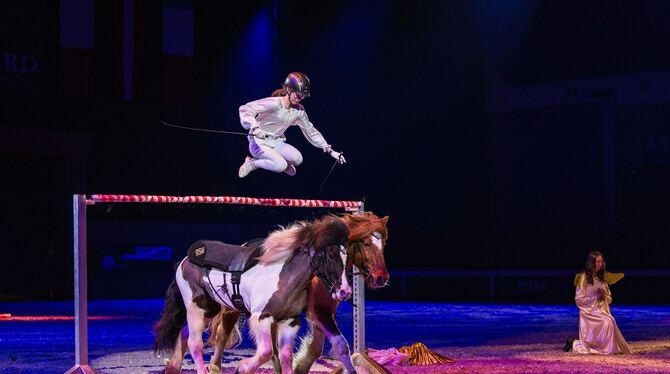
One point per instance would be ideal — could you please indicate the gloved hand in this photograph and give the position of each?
(338, 156)
(258, 133)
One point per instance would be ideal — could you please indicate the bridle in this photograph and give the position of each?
(318, 258)
(358, 249)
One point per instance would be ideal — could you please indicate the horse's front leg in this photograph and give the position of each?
(260, 327)
(195, 318)
(222, 328)
(319, 311)
(276, 363)
(311, 348)
(340, 347)
(287, 329)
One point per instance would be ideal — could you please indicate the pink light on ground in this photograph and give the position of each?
(11, 318)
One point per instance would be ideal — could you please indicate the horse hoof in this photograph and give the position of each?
(171, 369)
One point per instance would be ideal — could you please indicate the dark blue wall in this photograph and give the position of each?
(400, 87)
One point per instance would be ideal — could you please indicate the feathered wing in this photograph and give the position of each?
(611, 278)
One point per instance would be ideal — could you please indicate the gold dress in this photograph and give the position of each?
(598, 331)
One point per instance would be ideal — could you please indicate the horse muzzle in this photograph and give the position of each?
(342, 294)
(378, 279)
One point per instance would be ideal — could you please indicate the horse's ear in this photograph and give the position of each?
(385, 219)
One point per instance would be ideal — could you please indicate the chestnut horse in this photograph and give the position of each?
(367, 239)
(273, 291)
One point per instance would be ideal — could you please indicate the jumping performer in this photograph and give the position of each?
(267, 120)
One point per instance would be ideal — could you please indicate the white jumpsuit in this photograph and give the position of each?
(269, 114)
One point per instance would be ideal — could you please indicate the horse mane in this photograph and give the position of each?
(362, 225)
(317, 234)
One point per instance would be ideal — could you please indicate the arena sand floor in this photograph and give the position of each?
(495, 338)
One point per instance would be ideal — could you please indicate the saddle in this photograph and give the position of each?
(233, 259)
(225, 257)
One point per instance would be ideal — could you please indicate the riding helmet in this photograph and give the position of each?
(297, 82)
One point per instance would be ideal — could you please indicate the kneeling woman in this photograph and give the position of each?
(598, 331)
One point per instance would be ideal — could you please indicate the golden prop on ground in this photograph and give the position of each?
(419, 354)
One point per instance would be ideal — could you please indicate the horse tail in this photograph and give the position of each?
(168, 328)
(235, 337)
(218, 331)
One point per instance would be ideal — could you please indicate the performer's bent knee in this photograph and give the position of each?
(279, 166)
(295, 159)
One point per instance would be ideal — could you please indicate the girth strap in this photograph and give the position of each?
(243, 260)
(236, 298)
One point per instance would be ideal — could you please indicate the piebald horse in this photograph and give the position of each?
(274, 292)
(367, 240)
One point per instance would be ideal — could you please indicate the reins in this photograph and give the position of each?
(358, 249)
(166, 124)
(204, 130)
(330, 172)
